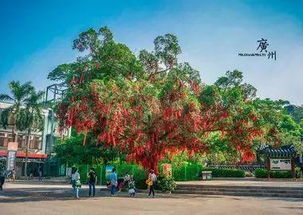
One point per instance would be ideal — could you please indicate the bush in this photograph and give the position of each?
(263, 173)
(298, 172)
(280, 174)
(166, 184)
(216, 172)
(187, 172)
(140, 178)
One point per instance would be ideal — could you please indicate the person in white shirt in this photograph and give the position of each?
(76, 184)
(152, 178)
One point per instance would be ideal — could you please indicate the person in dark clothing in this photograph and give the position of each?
(92, 180)
(2, 179)
(151, 182)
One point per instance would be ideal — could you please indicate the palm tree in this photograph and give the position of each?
(9, 116)
(31, 117)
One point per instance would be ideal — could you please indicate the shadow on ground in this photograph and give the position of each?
(15, 195)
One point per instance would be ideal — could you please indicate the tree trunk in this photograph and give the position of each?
(14, 134)
(26, 151)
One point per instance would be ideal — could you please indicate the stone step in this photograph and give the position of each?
(235, 193)
(190, 187)
(232, 189)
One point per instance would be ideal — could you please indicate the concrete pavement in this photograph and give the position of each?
(54, 199)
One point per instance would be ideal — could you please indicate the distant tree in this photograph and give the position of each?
(31, 117)
(295, 111)
(12, 114)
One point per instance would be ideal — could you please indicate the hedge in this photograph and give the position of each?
(216, 172)
(121, 169)
(263, 173)
(187, 172)
(192, 172)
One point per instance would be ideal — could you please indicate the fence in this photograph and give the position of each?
(121, 169)
(187, 172)
(245, 167)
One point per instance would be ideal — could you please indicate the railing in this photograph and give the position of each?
(245, 167)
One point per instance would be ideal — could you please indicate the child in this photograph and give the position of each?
(131, 187)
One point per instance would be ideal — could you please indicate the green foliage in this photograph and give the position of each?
(166, 184)
(263, 173)
(140, 177)
(295, 111)
(166, 49)
(18, 96)
(216, 172)
(72, 152)
(187, 172)
(138, 173)
(280, 174)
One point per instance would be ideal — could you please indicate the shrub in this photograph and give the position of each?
(261, 173)
(166, 184)
(216, 172)
(280, 174)
(187, 172)
(298, 172)
(140, 178)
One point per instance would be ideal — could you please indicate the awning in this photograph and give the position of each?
(23, 155)
(283, 151)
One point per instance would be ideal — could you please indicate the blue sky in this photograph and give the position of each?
(36, 36)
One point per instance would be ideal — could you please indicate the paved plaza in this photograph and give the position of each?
(56, 199)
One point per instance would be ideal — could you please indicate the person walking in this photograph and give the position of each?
(40, 174)
(151, 182)
(76, 184)
(92, 180)
(113, 182)
(14, 175)
(2, 179)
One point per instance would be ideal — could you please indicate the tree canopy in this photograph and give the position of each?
(152, 105)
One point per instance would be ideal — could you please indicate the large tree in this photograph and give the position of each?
(153, 105)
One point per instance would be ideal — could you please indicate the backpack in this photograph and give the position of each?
(78, 183)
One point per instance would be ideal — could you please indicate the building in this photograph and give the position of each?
(40, 155)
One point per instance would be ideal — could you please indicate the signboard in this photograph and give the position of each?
(280, 164)
(11, 160)
(12, 148)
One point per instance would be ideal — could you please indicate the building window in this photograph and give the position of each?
(10, 137)
(21, 142)
(35, 142)
(31, 142)
(2, 139)
(38, 143)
